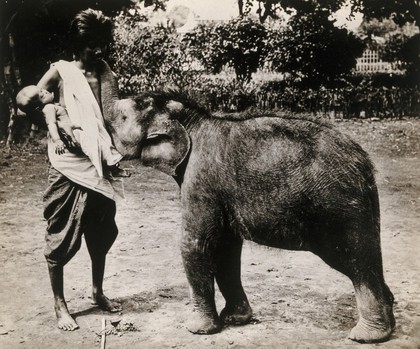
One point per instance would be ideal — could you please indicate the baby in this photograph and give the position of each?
(35, 98)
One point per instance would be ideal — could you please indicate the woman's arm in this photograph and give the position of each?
(50, 80)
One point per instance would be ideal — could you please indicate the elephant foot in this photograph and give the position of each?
(376, 318)
(237, 314)
(369, 332)
(202, 324)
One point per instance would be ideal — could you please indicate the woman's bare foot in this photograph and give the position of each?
(64, 320)
(105, 303)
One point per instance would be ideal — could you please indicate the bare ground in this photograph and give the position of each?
(298, 301)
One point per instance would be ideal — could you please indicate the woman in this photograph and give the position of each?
(79, 199)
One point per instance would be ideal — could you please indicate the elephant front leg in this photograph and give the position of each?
(199, 267)
(228, 276)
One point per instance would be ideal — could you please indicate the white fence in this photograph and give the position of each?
(371, 63)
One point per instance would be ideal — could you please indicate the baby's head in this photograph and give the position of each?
(33, 97)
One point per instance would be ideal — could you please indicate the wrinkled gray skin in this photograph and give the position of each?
(278, 181)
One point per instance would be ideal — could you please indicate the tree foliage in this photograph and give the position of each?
(39, 28)
(401, 11)
(376, 27)
(312, 50)
(240, 44)
(405, 50)
(271, 8)
(146, 57)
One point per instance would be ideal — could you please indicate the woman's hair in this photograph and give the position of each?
(90, 26)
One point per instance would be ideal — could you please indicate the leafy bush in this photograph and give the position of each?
(239, 44)
(312, 51)
(146, 57)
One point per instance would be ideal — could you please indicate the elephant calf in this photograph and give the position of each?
(279, 181)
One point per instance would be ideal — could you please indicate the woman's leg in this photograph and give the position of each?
(100, 234)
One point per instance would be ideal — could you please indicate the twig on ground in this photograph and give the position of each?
(103, 333)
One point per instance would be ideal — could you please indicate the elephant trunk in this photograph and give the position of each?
(109, 94)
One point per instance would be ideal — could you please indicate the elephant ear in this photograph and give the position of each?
(167, 145)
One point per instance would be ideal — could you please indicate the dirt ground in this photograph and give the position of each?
(298, 301)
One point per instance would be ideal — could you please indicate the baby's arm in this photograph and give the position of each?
(51, 120)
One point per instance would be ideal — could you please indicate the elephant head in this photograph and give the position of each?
(144, 127)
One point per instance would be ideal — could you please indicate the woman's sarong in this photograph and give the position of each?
(72, 210)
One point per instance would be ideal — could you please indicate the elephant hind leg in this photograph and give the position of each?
(376, 318)
(237, 310)
(362, 263)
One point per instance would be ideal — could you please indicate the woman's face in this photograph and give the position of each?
(92, 53)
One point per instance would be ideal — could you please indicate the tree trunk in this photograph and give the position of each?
(11, 83)
(241, 7)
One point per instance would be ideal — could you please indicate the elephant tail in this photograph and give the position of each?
(376, 212)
